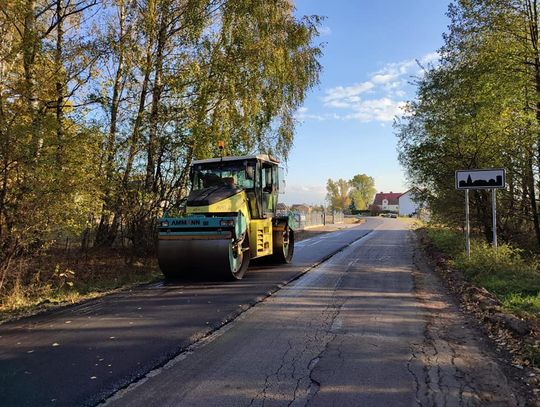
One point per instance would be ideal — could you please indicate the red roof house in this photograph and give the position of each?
(387, 201)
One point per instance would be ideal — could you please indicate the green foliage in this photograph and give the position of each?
(504, 273)
(523, 304)
(103, 106)
(446, 240)
(273, 67)
(477, 109)
(338, 194)
(532, 353)
(511, 276)
(362, 192)
(355, 194)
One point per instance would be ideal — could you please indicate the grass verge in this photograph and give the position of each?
(511, 276)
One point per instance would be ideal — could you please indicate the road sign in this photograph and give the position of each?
(493, 178)
(480, 179)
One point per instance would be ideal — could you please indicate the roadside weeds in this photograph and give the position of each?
(54, 280)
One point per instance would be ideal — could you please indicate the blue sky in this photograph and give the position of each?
(345, 125)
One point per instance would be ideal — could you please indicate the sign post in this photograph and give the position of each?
(494, 210)
(467, 225)
(493, 179)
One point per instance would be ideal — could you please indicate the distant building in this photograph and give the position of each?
(282, 207)
(301, 208)
(409, 203)
(387, 201)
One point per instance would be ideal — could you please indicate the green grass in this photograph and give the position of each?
(513, 278)
(523, 305)
(532, 353)
(446, 240)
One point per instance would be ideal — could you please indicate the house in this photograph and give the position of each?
(387, 201)
(409, 203)
(301, 208)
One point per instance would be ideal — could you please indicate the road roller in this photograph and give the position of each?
(230, 217)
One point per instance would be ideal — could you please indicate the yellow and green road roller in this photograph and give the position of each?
(230, 217)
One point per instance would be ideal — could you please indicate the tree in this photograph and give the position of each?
(338, 194)
(480, 107)
(191, 73)
(362, 192)
(46, 150)
(103, 108)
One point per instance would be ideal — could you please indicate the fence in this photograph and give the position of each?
(303, 220)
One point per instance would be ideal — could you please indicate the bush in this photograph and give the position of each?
(504, 273)
(446, 240)
(513, 278)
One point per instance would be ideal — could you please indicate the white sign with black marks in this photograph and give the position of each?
(493, 178)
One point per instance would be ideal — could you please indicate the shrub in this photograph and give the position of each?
(512, 277)
(504, 273)
(446, 240)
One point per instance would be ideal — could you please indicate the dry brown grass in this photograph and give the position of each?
(57, 278)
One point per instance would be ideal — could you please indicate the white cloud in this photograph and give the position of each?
(431, 58)
(317, 189)
(308, 194)
(341, 96)
(382, 96)
(381, 110)
(302, 114)
(383, 78)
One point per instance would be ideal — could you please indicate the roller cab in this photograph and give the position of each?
(230, 218)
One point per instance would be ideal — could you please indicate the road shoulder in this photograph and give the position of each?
(456, 353)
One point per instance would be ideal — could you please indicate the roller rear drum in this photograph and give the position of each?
(222, 258)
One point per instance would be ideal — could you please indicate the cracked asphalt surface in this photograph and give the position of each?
(81, 355)
(369, 327)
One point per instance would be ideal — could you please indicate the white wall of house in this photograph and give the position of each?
(407, 205)
(387, 207)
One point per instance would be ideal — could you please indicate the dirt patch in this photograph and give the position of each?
(508, 338)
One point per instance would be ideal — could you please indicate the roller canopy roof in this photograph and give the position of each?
(261, 157)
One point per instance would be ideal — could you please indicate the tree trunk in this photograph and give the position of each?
(133, 140)
(30, 45)
(59, 108)
(532, 12)
(150, 182)
(483, 215)
(107, 231)
(139, 118)
(4, 136)
(532, 197)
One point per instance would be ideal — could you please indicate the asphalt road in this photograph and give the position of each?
(369, 327)
(83, 354)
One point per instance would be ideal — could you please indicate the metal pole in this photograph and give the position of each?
(494, 210)
(467, 225)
